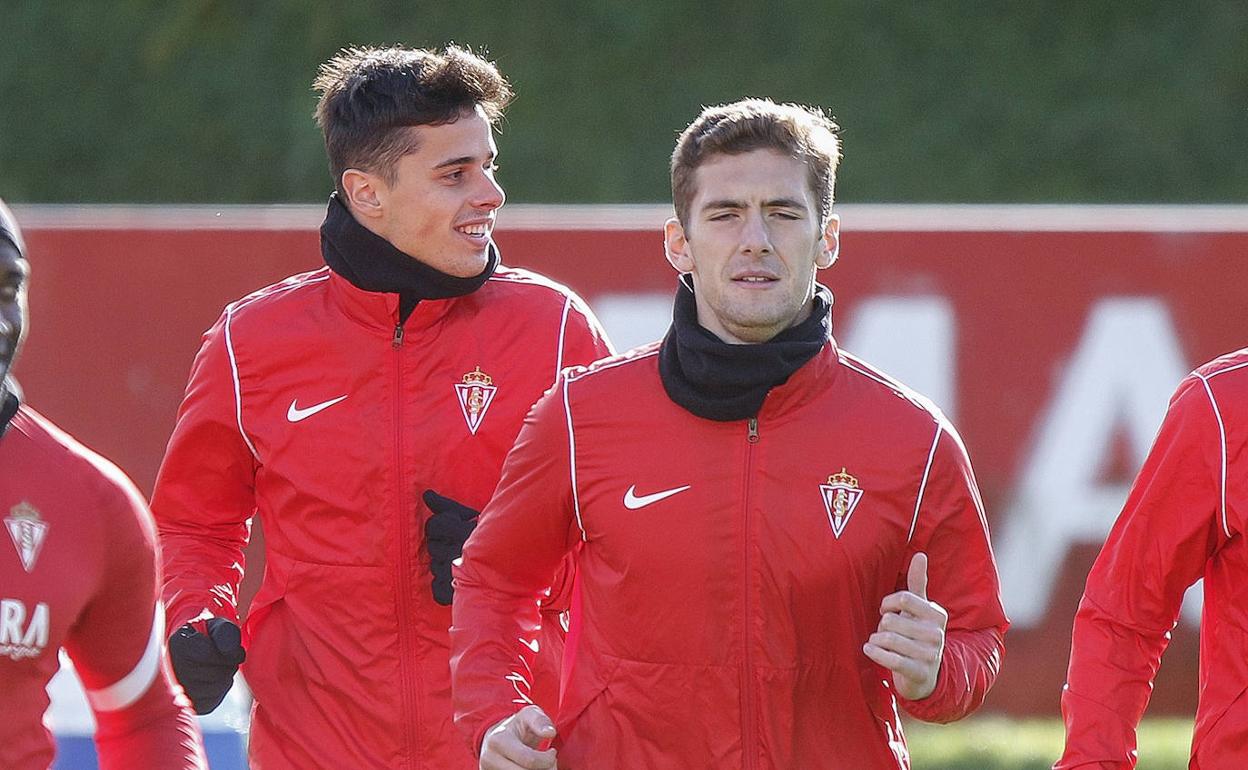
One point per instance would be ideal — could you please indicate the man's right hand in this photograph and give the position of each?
(205, 656)
(512, 743)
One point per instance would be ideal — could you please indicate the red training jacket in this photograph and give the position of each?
(78, 569)
(729, 572)
(1184, 519)
(310, 406)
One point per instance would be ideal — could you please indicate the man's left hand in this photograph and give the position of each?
(910, 639)
(445, 533)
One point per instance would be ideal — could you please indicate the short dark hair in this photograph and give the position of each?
(370, 96)
(802, 132)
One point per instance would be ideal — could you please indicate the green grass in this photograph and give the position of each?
(996, 743)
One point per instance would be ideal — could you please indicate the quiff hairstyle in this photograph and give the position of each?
(370, 96)
(802, 132)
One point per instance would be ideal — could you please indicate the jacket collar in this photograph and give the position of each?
(380, 310)
(806, 384)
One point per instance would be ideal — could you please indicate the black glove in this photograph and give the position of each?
(445, 533)
(205, 664)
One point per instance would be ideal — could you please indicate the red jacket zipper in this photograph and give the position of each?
(403, 569)
(748, 739)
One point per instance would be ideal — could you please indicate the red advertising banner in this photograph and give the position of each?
(1052, 335)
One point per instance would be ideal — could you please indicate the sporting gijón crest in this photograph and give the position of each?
(476, 393)
(840, 496)
(28, 530)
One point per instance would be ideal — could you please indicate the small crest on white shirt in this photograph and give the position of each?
(840, 497)
(28, 530)
(475, 392)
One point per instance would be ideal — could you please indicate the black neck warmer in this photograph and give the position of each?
(372, 263)
(720, 381)
(9, 402)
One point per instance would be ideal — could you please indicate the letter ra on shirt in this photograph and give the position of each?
(22, 636)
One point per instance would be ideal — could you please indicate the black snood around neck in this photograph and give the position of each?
(372, 263)
(721, 381)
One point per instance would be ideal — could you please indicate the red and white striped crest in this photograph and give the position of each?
(840, 497)
(28, 531)
(475, 393)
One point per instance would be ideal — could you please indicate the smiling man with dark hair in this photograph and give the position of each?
(363, 410)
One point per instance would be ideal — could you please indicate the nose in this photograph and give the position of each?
(491, 195)
(754, 236)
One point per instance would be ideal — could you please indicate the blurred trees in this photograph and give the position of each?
(210, 100)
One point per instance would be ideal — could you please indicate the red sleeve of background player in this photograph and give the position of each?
(582, 338)
(1158, 547)
(582, 341)
(118, 649)
(205, 491)
(526, 530)
(951, 529)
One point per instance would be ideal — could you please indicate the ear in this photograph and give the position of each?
(365, 193)
(676, 245)
(831, 243)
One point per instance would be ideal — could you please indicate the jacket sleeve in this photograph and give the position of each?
(950, 527)
(1158, 547)
(582, 341)
(118, 649)
(204, 496)
(524, 533)
(582, 338)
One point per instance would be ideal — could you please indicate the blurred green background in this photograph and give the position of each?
(992, 743)
(209, 100)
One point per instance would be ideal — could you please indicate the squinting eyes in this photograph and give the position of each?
(784, 215)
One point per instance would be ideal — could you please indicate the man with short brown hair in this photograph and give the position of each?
(363, 410)
(777, 545)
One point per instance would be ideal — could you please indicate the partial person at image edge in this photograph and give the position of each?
(81, 575)
(1184, 520)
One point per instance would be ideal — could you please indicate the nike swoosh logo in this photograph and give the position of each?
(295, 414)
(632, 502)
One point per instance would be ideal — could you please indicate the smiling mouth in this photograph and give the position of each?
(480, 230)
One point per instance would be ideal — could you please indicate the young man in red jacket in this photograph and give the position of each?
(363, 410)
(81, 574)
(1184, 519)
(777, 544)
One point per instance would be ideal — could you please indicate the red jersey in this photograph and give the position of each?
(78, 570)
(310, 405)
(1184, 519)
(728, 572)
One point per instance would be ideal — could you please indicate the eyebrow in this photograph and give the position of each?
(772, 203)
(463, 160)
(784, 203)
